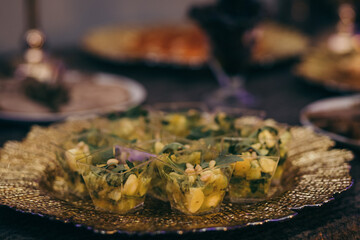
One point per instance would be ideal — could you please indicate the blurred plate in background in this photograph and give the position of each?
(338, 117)
(90, 94)
(176, 44)
(185, 44)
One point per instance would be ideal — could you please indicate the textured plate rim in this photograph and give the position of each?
(292, 207)
(181, 232)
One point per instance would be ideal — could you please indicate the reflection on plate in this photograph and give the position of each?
(336, 69)
(338, 117)
(310, 180)
(96, 93)
(186, 44)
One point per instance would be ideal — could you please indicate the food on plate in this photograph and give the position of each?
(77, 147)
(334, 69)
(51, 95)
(277, 42)
(175, 44)
(186, 44)
(132, 125)
(170, 145)
(195, 189)
(258, 160)
(345, 122)
(117, 178)
(121, 158)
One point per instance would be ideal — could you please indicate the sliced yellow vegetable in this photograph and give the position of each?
(254, 171)
(242, 167)
(256, 146)
(194, 158)
(221, 181)
(143, 185)
(266, 137)
(125, 127)
(158, 147)
(267, 165)
(213, 200)
(177, 124)
(195, 198)
(115, 194)
(131, 185)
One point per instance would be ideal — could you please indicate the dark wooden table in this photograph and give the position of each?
(278, 92)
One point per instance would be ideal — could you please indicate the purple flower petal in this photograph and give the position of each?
(131, 155)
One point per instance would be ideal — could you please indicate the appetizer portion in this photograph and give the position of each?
(189, 158)
(133, 125)
(252, 174)
(190, 124)
(165, 146)
(195, 189)
(76, 147)
(333, 64)
(265, 131)
(117, 178)
(284, 140)
(195, 123)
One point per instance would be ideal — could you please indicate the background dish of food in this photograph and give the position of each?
(338, 117)
(96, 93)
(333, 64)
(185, 44)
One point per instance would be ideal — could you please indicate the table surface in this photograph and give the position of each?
(277, 92)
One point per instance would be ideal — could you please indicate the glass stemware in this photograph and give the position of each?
(229, 25)
(231, 92)
(40, 75)
(36, 62)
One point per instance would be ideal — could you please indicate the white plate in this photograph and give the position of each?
(327, 105)
(90, 94)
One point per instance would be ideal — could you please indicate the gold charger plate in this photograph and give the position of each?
(314, 175)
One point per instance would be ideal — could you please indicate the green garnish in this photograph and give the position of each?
(198, 132)
(130, 164)
(227, 159)
(131, 113)
(172, 148)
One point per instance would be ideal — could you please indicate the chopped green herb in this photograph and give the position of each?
(165, 122)
(130, 164)
(198, 132)
(131, 113)
(270, 129)
(113, 180)
(172, 147)
(228, 159)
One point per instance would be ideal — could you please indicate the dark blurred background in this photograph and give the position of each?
(66, 21)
